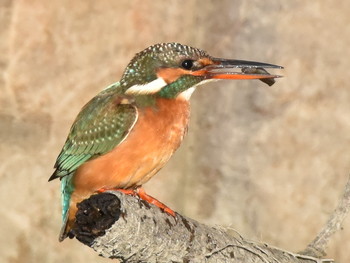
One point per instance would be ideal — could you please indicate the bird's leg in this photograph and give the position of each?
(142, 194)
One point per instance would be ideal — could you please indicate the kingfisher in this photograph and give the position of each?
(125, 134)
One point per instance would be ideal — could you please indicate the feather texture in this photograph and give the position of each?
(101, 125)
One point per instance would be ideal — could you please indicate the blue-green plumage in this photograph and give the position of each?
(67, 189)
(100, 126)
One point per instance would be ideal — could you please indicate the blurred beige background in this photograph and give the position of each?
(270, 162)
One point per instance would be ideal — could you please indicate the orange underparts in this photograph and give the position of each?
(140, 192)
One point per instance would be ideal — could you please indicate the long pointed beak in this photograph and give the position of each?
(224, 69)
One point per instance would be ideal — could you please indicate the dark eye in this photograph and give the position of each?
(187, 64)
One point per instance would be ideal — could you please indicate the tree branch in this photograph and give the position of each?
(317, 247)
(127, 228)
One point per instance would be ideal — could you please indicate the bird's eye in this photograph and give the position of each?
(187, 64)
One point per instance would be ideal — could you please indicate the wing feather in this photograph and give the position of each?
(102, 124)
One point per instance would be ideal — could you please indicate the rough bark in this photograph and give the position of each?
(317, 247)
(127, 228)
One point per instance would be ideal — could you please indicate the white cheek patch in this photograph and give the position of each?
(149, 88)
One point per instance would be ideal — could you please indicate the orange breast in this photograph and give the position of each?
(156, 135)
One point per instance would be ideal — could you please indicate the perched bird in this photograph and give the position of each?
(123, 136)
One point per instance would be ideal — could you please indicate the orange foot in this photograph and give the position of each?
(142, 194)
(150, 199)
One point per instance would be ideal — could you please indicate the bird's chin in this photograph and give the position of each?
(186, 95)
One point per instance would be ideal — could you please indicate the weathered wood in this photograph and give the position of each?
(127, 228)
(318, 246)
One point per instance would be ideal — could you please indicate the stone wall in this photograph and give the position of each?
(270, 162)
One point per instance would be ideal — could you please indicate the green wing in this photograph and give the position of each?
(102, 124)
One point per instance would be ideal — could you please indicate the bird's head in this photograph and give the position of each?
(169, 69)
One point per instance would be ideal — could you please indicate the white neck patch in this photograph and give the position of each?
(188, 93)
(149, 88)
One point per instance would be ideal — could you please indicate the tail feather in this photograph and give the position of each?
(67, 189)
(64, 229)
